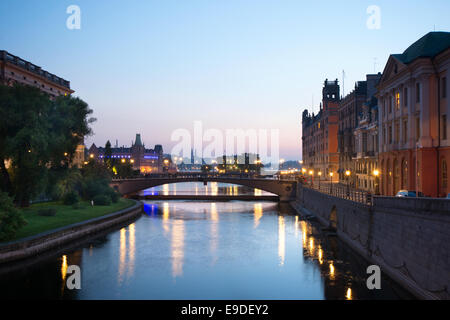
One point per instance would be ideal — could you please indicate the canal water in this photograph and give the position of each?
(204, 250)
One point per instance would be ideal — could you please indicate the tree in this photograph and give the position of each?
(11, 219)
(37, 136)
(108, 154)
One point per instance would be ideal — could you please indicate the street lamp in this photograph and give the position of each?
(331, 185)
(376, 173)
(311, 175)
(320, 174)
(348, 173)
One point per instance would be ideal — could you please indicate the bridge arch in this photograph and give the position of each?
(286, 190)
(333, 220)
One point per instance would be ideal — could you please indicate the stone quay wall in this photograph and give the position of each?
(409, 238)
(37, 244)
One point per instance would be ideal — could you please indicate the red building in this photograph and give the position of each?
(414, 112)
(319, 133)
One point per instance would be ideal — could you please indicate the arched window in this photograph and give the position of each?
(444, 174)
(404, 174)
(396, 176)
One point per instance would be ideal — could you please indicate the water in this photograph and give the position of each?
(204, 250)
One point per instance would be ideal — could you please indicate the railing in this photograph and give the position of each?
(342, 191)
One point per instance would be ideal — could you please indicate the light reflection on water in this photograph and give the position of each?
(206, 250)
(212, 188)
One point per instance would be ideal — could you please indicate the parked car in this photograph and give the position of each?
(407, 193)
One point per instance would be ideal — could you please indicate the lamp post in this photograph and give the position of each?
(311, 175)
(376, 173)
(320, 174)
(331, 185)
(347, 174)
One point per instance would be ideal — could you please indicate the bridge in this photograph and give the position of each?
(284, 189)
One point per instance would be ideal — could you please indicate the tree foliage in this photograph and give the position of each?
(10, 218)
(38, 137)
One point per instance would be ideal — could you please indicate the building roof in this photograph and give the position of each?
(429, 46)
(30, 67)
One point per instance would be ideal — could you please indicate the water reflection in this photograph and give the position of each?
(198, 188)
(281, 239)
(177, 248)
(206, 250)
(214, 230)
(258, 213)
(127, 248)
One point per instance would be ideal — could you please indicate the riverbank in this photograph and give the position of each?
(65, 215)
(66, 227)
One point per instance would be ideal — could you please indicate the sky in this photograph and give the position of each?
(155, 66)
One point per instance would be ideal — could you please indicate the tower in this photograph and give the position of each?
(330, 93)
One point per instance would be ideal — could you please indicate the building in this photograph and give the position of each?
(350, 107)
(16, 70)
(366, 148)
(414, 114)
(319, 133)
(145, 160)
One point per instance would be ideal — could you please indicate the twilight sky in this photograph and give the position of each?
(154, 66)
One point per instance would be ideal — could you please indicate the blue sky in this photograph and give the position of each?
(151, 67)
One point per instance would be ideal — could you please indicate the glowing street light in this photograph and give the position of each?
(348, 173)
(331, 185)
(311, 172)
(320, 174)
(376, 173)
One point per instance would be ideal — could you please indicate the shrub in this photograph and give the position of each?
(47, 212)
(102, 200)
(11, 219)
(71, 198)
(94, 188)
(114, 195)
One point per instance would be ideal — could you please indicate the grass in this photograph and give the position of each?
(65, 215)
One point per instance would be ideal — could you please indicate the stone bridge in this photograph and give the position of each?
(285, 189)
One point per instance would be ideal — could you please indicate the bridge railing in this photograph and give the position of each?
(344, 192)
(198, 175)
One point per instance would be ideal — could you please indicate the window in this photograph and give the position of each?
(417, 92)
(405, 97)
(405, 130)
(397, 132)
(417, 128)
(444, 174)
(390, 134)
(390, 104)
(397, 100)
(444, 87)
(444, 127)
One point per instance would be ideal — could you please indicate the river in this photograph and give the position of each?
(204, 250)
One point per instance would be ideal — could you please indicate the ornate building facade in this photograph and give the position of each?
(414, 118)
(366, 147)
(319, 133)
(350, 108)
(145, 160)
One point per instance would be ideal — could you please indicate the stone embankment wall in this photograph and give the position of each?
(37, 244)
(409, 238)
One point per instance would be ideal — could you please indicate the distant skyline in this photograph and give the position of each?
(152, 67)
